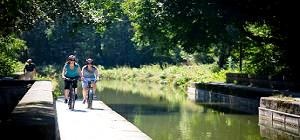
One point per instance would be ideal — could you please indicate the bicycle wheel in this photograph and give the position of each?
(90, 98)
(72, 99)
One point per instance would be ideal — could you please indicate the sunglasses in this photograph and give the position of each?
(71, 60)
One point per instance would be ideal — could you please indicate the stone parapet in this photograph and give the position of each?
(279, 117)
(34, 117)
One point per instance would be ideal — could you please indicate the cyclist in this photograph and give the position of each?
(29, 70)
(89, 72)
(71, 70)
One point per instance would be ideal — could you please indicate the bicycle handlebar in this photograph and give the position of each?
(71, 79)
(90, 81)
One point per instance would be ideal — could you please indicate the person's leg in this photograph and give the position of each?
(31, 75)
(26, 76)
(84, 90)
(84, 94)
(75, 86)
(94, 88)
(66, 91)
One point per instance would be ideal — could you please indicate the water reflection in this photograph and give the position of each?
(273, 129)
(231, 102)
(165, 114)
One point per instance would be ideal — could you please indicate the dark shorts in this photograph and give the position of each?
(68, 84)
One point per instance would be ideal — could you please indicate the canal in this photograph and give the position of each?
(164, 113)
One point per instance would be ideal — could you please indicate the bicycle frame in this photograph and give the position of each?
(90, 94)
(71, 102)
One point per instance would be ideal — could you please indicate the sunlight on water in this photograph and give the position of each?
(164, 113)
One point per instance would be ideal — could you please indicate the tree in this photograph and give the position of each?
(198, 26)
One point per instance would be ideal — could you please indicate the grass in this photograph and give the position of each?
(178, 76)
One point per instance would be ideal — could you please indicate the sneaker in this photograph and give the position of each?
(76, 97)
(83, 101)
(66, 100)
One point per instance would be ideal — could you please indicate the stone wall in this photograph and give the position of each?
(279, 117)
(34, 117)
(11, 92)
(241, 104)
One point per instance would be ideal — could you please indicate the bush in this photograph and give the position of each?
(6, 65)
(179, 76)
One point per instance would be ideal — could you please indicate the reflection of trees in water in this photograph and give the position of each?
(214, 125)
(162, 119)
(155, 91)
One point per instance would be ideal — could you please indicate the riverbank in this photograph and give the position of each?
(175, 75)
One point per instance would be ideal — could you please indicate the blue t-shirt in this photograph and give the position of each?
(89, 74)
(71, 73)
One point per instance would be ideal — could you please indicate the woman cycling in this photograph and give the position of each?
(71, 70)
(89, 73)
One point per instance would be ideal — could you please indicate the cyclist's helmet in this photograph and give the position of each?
(89, 61)
(29, 60)
(71, 58)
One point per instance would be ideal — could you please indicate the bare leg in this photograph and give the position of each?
(66, 93)
(94, 88)
(84, 94)
(31, 75)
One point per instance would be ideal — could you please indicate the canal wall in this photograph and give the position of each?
(212, 98)
(11, 92)
(34, 116)
(279, 117)
(236, 97)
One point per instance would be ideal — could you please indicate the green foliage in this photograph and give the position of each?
(259, 30)
(5, 65)
(20, 15)
(18, 67)
(102, 13)
(200, 26)
(49, 71)
(263, 59)
(208, 31)
(178, 76)
(230, 63)
(9, 66)
(10, 48)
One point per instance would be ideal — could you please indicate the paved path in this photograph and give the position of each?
(101, 122)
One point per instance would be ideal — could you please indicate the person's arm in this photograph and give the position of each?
(24, 70)
(97, 73)
(63, 72)
(80, 72)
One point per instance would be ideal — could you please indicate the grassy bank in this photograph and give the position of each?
(178, 76)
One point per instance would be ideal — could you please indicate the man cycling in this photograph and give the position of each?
(71, 70)
(89, 73)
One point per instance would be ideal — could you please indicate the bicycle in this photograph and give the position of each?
(90, 93)
(71, 101)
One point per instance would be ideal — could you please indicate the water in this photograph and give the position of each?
(166, 114)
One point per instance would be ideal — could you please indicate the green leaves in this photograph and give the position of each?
(102, 13)
(10, 47)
